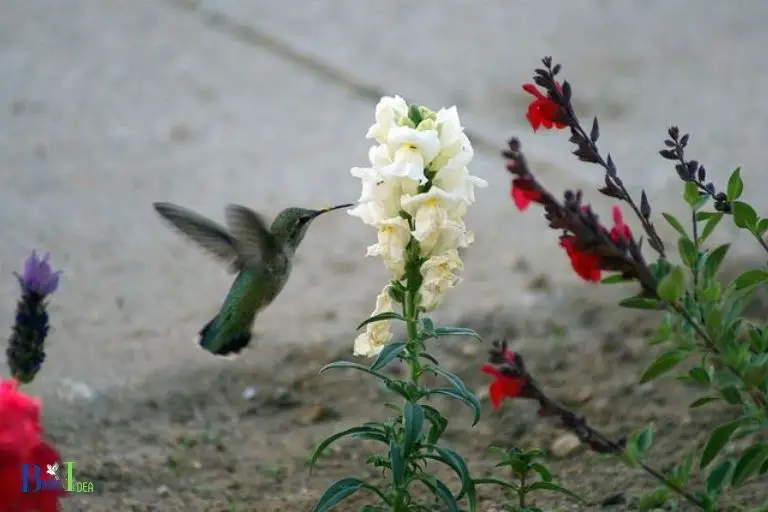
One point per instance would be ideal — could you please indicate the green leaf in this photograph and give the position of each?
(542, 470)
(469, 399)
(338, 435)
(457, 464)
(717, 479)
(441, 491)
(549, 486)
(640, 303)
(387, 315)
(744, 215)
(495, 481)
(703, 400)
(428, 327)
(644, 439)
(714, 260)
(710, 226)
(397, 463)
(762, 226)
(672, 287)
(337, 492)
(456, 331)
(413, 423)
(717, 440)
(731, 395)
(614, 279)
(675, 224)
(355, 366)
(735, 185)
(688, 251)
(750, 278)
(387, 354)
(654, 499)
(749, 463)
(664, 363)
(691, 193)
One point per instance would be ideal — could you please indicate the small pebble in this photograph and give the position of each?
(470, 349)
(163, 490)
(578, 396)
(564, 446)
(250, 392)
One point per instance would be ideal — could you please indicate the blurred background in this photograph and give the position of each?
(108, 106)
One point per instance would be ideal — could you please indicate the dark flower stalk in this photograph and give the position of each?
(512, 380)
(26, 350)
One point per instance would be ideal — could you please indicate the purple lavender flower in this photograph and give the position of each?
(26, 349)
(38, 277)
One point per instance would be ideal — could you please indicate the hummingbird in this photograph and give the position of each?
(261, 257)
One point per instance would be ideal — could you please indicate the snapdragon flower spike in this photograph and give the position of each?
(26, 346)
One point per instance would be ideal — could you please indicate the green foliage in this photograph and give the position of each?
(708, 342)
(527, 476)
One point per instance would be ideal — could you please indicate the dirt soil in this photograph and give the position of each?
(240, 439)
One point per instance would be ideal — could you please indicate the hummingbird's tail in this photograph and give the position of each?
(214, 340)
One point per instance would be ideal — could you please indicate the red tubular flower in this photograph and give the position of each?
(20, 445)
(504, 385)
(542, 111)
(586, 265)
(523, 193)
(619, 231)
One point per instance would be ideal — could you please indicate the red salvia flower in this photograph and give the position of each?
(46, 499)
(504, 385)
(542, 111)
(619, 231)
(586, 265)
(523, 193)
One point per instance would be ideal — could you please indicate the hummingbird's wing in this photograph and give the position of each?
(202, 230)
(253, 239)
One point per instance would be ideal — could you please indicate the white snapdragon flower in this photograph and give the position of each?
(377, 334)
(389, 111)
(457, 182)
(411, 151)
(393, 236)
(440, 273)
(433, 221)
(381, 195)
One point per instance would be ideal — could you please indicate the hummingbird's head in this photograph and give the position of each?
(292, 224)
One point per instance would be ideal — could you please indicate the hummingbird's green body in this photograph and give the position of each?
(262, 258)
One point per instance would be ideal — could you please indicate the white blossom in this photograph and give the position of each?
(393, 236)
(389, 111)
(440, 273)
(377, 334)
(411, 151)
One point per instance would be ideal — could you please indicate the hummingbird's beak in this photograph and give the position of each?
(331, 208)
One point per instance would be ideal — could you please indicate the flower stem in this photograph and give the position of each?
(412, 328)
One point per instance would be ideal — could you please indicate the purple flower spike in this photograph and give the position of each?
(38, 277)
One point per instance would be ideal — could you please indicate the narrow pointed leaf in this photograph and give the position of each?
(335, 437)
(640, 303)
(735, 185)
(387, 315)
(413, 423)
(718, 477)
(672, 221)
(456, 331)
(338, 492)
(750, 461)
(387, 354)
(549, 486)
(664, 363)
(717, 440)
(750, 278)
(397, 463)
(355, 366)
(457, 464)
(469, 399)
